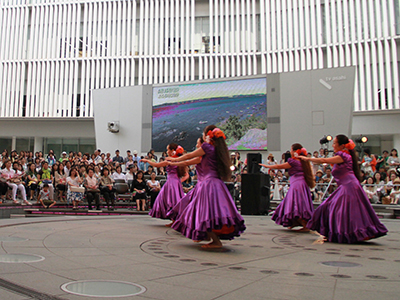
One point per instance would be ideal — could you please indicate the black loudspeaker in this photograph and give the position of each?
(255, 194)
(253, 161)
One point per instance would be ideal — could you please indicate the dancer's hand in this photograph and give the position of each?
(265, 166)
(170, 159)
(144, 160)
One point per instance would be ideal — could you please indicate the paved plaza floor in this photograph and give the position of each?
(128, 257)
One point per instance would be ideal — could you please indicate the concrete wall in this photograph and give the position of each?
(131, 107)
(304, 106)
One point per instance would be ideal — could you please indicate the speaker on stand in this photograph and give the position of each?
(255, 194)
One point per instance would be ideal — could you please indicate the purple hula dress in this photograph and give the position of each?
(169, 195)
(183, 203)
(347, 215)
(212, 205)
(297, 203)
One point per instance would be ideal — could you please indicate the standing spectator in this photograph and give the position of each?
(118, 158)
(129, 162)
(382, 161)
(368, 163)
(393, 159)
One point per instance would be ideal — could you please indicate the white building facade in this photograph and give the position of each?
(53, 53)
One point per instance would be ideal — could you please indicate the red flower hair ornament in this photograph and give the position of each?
(350, 145)
(302, 151)
(178, 152)
(216, 133)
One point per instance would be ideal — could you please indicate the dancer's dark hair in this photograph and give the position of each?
(343, 140)
(308, 174)
(181, 170)
(223, 158)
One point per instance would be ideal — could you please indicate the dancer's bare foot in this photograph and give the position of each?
(304, 229)
(170, 224)
(212, 245)
(199, 241)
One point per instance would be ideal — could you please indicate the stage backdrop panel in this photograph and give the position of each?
(304, 106)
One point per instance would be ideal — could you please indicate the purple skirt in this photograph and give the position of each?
(211, 207)
(347, 215)
(168, 197)
(297, 204)
(174, 213)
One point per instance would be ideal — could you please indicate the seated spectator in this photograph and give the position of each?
(161, 171)
(187, 185)
(85, 159)
(131, 175)
(14, 182)
(60, 180)
(73, 180)
(320, 189)
(32, 180)
(154, 187)
(51, 159)
(97, 172)
(380, 186)
(108, 158)
(82, 171)
(126, 159)
(371, 190)
(154, 156)
(44, 197)
(38, 165)
(45, 176)
(67, 168)
(318, 175)
(149, 170)
(139, 187)
(91, 183)
(118, 174)
(129, 162)
(390, 183)
(395, 193)
(63, 157)
(107, 188)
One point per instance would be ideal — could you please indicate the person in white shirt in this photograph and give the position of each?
(14, 181)
(118, 174)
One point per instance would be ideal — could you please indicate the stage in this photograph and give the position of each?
(61, 257)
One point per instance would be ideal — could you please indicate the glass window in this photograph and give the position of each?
(5, 143)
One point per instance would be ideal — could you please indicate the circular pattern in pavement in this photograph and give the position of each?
(340, 264)
(11, 239)
(20, 258)
(103, 288)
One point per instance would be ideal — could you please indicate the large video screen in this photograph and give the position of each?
(238, 107)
